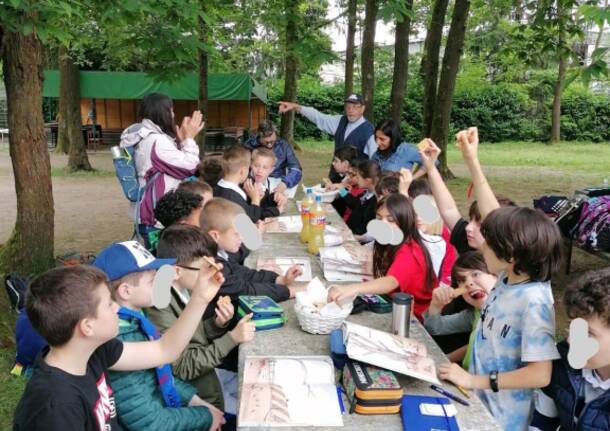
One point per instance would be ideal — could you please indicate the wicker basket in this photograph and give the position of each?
(313, 322)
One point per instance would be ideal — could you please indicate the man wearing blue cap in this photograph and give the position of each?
(348, 129)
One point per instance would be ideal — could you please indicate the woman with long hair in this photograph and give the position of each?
(405, 267)
(164, 154)
(392, 153)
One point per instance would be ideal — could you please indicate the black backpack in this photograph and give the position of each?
(16, 286)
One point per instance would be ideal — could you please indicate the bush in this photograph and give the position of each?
(501, 111)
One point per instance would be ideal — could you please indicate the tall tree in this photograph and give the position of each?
(63, 140)
(446, 86)
(291, 67)
(30, 247)
(367, 60)
(430, 61)
(350, 51)
(401, 62)
(69, 108)
(203, 78)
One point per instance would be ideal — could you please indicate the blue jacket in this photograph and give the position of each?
(287, 166)
(567, 390)
(404, 157)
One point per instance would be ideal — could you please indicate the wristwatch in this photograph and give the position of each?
(493, 380)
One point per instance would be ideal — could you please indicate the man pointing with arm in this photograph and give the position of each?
(348, 129)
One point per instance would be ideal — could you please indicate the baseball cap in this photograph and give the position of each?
(354, 98)
(123, 258)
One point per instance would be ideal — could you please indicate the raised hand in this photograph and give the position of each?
(191, 126)
(244, 331)
(468, 142)
(404, 181)
(429, 154)
(208, 281)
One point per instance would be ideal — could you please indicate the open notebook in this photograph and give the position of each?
(400, 354)
(289, 391)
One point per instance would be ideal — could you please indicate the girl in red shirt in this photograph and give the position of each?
(405, 267)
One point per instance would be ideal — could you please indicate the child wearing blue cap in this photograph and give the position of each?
(73, 309)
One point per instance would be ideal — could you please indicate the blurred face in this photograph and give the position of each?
(341, 166)
(600, 332)
(268, 141)
(352, 177)
(384, 215)
(473, 234)
(478, 284)
(187, 274)
(229, 240)
(106, 322)
(494, 264)
(261, 168)
(383, 140)
(365, 183)
(353, 111)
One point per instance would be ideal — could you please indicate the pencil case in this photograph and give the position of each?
(371, 390)
(266, 313)
(379, 304)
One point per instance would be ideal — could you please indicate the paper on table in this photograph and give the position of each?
(285, 390)
(403, 355)
(284, 224)
(281, 264)
(274, 182)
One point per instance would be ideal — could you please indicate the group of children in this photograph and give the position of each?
(115, 358)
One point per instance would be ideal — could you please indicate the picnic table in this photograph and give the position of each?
(291, 340)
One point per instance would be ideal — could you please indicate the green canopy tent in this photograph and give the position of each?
(110, 99)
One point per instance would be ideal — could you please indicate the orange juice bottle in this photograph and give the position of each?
(306, 204)
(317, 221)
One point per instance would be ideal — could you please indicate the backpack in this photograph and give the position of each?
(594, 224)
(16, 286)
(126, 172)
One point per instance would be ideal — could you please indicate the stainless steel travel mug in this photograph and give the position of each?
(116, 152)
(401, 314)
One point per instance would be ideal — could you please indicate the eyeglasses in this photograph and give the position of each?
(189, 267)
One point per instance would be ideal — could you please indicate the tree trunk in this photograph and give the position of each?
(556, 114)
(30, 247)
(291, 68)
(202, 101)
(429, 63)
(446, 86)
(367, 61)
(63, 136)
(401, 64)
(70, 116)
(350, 53)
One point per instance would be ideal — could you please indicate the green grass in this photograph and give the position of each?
(572, 156)
(12, 386)
(65, 172)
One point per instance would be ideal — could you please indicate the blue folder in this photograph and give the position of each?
(413, 420)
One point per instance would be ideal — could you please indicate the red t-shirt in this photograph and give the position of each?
(409, 269)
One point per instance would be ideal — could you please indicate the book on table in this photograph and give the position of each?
(402, 355)
(280, 265)
(289, 391)
(348, 262)
(283, 224)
